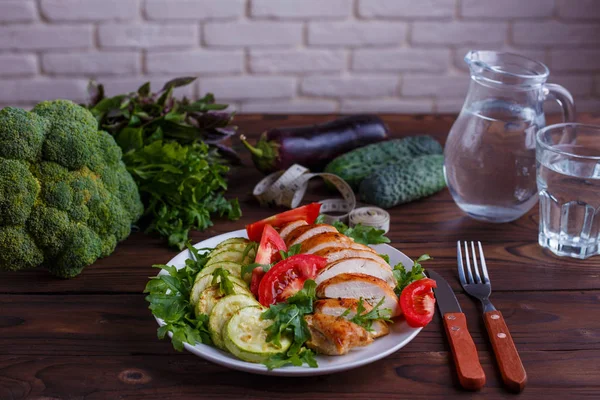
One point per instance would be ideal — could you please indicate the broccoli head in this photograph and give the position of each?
(66, 198)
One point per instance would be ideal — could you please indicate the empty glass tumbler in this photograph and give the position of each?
(568, 179)
(490, 151)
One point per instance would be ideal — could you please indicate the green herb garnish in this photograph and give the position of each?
(365, 319)
(288, 320)
(221, 277)
(292, 251)
(404, 277)
(360, 233)
(169, 298)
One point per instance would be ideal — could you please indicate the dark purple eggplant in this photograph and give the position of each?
(315, 145)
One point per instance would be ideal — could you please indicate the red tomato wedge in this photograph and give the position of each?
(418, 303)
(268, 252)
(308, 213)
(288, 276)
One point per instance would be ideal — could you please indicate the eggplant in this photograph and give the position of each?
(315, 145)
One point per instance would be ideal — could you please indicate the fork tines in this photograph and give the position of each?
(477, 278)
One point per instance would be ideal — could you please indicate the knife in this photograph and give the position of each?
(464, 352)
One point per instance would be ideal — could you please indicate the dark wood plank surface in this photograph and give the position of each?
(92, 337)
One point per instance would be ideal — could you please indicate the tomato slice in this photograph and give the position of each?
(288, 276)
(267, 253)
(308, 213)
(418, 303)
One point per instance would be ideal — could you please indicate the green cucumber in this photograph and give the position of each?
(222, 312)
(402, 183)
(233, 268)
(230, 256)
(202, 282)
(212, 295)
(356, 165)
(245, 336)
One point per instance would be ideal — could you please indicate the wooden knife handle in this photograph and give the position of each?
(511, 367)
(470, 373)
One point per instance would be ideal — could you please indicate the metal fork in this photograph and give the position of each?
(478, 285)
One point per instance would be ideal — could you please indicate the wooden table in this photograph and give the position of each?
(93, 337)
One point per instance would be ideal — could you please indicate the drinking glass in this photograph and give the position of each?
(568, 181)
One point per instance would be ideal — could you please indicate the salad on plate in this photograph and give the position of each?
(294, 288)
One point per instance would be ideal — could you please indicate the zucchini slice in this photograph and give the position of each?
(245, 336)
(229, 247)
(231, 255)
(202, 282)
(211, 296)
(234, 269)
(221, 313)
(230, 241)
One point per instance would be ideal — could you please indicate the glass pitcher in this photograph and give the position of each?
(490, 152)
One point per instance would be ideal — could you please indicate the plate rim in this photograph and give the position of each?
(226, 360)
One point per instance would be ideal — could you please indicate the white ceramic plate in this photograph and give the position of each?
(400, 333)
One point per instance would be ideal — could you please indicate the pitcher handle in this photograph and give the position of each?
(563, 97)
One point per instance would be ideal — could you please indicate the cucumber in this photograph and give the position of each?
(402, 183)
(227, 242)
(202, 282)
(234, 269)
(231, 256)
(211, 296)
(245, 336)
(222, 312)
(356, 165)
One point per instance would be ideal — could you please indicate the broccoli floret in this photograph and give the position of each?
(66, 198)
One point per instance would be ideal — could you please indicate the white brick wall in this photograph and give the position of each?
(291, 56)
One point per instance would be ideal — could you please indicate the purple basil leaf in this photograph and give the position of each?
(178, 82)
(144, 90)
(228, 153)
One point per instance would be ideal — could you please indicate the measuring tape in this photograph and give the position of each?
(287, 189)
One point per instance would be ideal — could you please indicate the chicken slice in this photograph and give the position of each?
(355, 286)
(337, 307)
(334, 336)
(332, 239)
(364, 266)
(289, 227)
(333, 254)
(302, 233)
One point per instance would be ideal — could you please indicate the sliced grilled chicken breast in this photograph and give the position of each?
(333, 254)
(289, 227)
(335, 336)
(332, 239)
(355, 286)
(364, 266)
(337, 307)
(302, 233)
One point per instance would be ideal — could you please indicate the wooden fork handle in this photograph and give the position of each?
(511, 367)
(464, 352)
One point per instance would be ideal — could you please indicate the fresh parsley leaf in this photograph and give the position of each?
(250, 247)
(247, 269)
(292, 251)
(304, 356)
(320, 219)
(360, 233)
(221, 277)
(404, 277)
(385, 257)
(288, 320)
(169, 299)
(365, 319)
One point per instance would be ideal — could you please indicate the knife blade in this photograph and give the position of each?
(464, 352)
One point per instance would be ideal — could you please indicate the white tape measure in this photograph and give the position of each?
(287, 188)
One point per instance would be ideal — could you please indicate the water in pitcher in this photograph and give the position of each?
(490, 160)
